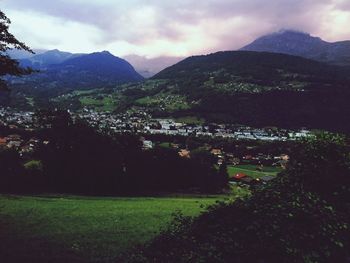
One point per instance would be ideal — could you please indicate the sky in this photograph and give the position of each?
(168, 27)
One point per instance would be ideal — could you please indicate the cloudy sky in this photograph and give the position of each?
(167, 27)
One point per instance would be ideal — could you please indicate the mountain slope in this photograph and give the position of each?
(101, 64)
(304, 45)
(261, 68)
(90, 71)
(254, 88)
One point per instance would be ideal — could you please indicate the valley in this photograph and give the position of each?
(149, 154)
(248, 88)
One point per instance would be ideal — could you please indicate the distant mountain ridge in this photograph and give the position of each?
(148, 67)
(302, 44)
(48, 58)
(42, 59)
(102, 64)
(22, 54)
(61, 72)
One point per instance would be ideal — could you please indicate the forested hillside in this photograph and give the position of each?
(254, 88)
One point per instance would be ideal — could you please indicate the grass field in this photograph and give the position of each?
(83, 229)
(165, 145)
(251, 171)
(191, 120)
(169, 102)
(104, 104)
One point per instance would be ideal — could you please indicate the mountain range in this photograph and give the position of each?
(304, 45)
(285, 41)
(61, 72)
(242, 87)
(147, 67)
(286, 79)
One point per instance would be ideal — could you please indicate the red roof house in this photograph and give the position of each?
(3, 141)
(239, 176)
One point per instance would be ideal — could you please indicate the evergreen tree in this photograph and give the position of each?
(223, 175)
(8, 41)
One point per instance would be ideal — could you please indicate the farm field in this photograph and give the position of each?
(104, 104)
(191, 120)
(251, 171)
(84, 229)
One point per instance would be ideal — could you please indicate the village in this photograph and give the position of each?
(142, 123)
(246, 168)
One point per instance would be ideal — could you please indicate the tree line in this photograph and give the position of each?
(80, 160)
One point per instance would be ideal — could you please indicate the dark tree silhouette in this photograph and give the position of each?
(8, 41)
(223, 176)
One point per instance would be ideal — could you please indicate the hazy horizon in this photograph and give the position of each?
(162, 28)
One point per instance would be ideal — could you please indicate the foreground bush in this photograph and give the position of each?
(295, 219)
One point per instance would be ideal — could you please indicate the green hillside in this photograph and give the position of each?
(254, 88)
(251, 67)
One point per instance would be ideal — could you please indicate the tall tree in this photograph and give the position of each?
(223, 176)
(8, 41)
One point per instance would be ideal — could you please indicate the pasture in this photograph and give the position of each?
(251, 170)
(84, 229)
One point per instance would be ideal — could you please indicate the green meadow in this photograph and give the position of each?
(84, 229)
(251, 171)
(104, 104)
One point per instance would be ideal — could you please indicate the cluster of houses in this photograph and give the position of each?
(245, 179)
(258, 160)
(14, 119)
(142, 123)
(23, 146)
(226, 157)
